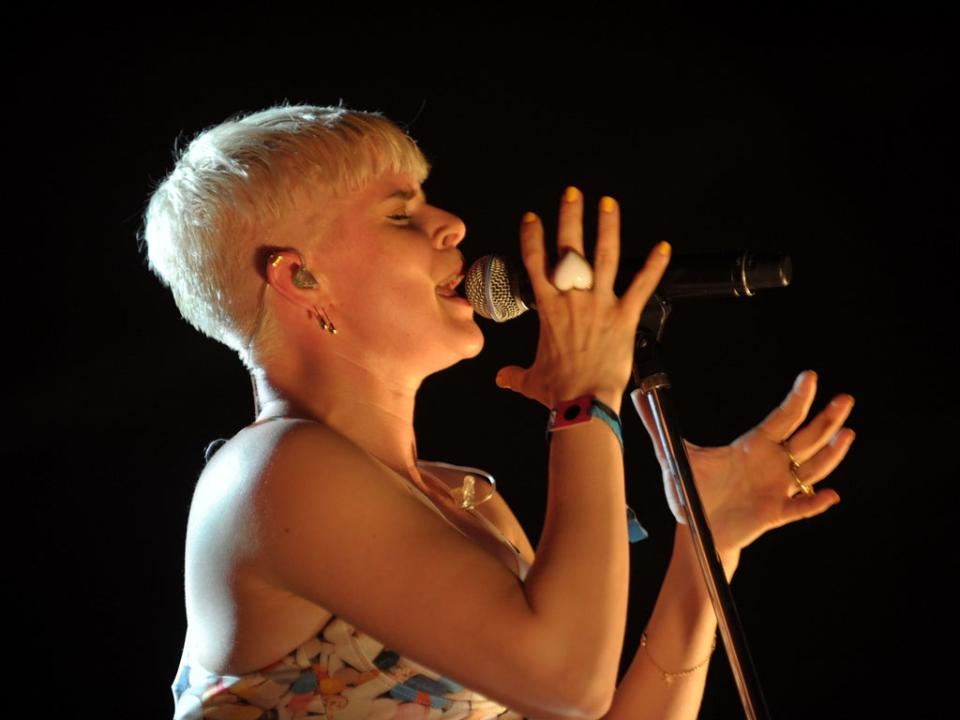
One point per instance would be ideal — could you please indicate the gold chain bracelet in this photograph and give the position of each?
(669, 676)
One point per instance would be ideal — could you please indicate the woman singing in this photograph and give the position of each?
(329, 571)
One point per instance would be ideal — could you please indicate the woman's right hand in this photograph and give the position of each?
(586, 336)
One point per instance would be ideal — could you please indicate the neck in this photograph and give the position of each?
(374, 414)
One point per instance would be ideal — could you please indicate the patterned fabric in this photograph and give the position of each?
(342, 673)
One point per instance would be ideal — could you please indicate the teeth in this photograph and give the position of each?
(451, 282)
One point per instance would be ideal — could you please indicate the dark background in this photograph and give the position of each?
(821, 136)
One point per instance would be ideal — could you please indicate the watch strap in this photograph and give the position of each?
(583, 409)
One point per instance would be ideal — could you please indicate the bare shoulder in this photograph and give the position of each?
(237, 621)
(281, 462)
(229, 479)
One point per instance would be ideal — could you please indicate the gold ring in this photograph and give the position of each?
(807, 490)
(793, 460)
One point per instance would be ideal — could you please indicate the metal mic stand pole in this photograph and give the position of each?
(653, 389)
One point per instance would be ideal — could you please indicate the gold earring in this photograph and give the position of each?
(303, 278)
(324, 320)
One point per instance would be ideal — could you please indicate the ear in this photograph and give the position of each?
(288, 276)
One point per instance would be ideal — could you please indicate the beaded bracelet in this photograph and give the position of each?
(669, 676)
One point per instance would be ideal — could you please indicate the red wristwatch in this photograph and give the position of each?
(571, 412)
(580, 410)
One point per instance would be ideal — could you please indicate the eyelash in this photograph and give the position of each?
(401, 216)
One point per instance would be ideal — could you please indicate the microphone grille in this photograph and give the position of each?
(490, 287)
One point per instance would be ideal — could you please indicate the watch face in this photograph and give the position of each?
(571, 412)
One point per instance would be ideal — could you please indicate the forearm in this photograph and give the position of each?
(680, 635)
(579, 582)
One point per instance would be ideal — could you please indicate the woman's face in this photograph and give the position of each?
(382, 258)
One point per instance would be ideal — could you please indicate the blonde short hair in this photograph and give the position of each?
(205, 221)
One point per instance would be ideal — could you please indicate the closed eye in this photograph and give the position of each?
(399, 217)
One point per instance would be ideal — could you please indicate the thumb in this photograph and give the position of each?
(650, 425)
(646, 416)
(508, 377)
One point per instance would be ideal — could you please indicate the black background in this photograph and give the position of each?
(822, 136)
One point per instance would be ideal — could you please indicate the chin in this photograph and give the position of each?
(477, 346)
(470, 343)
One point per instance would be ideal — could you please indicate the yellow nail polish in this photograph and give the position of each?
(663, 248)
(529, 217)
(572, 194)
(608, 204)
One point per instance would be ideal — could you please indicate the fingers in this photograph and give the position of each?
(646, 281)
(606, 254)
(510, 377)
(807, 506)
(570, 237)
(535, 257)
(807, 442)
(787, 417)
(825, 461)
(570, 229)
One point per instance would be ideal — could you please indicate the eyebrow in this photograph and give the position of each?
(406, 194)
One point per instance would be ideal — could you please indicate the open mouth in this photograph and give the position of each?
(452, 287)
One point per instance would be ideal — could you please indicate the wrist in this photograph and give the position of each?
(590, 409)
(610, 398)
(729, 558)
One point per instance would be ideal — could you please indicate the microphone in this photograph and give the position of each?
(499, 288)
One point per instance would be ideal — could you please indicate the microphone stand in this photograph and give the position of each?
(653, 388)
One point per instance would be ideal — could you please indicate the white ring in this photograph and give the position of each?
(573, 271)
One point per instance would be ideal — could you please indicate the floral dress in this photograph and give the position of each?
(342, 673)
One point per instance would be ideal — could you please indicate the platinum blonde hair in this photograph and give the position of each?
(205, 222)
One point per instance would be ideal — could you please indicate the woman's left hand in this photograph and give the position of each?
(747, 487)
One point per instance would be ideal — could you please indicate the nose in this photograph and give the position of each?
(449, 232)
